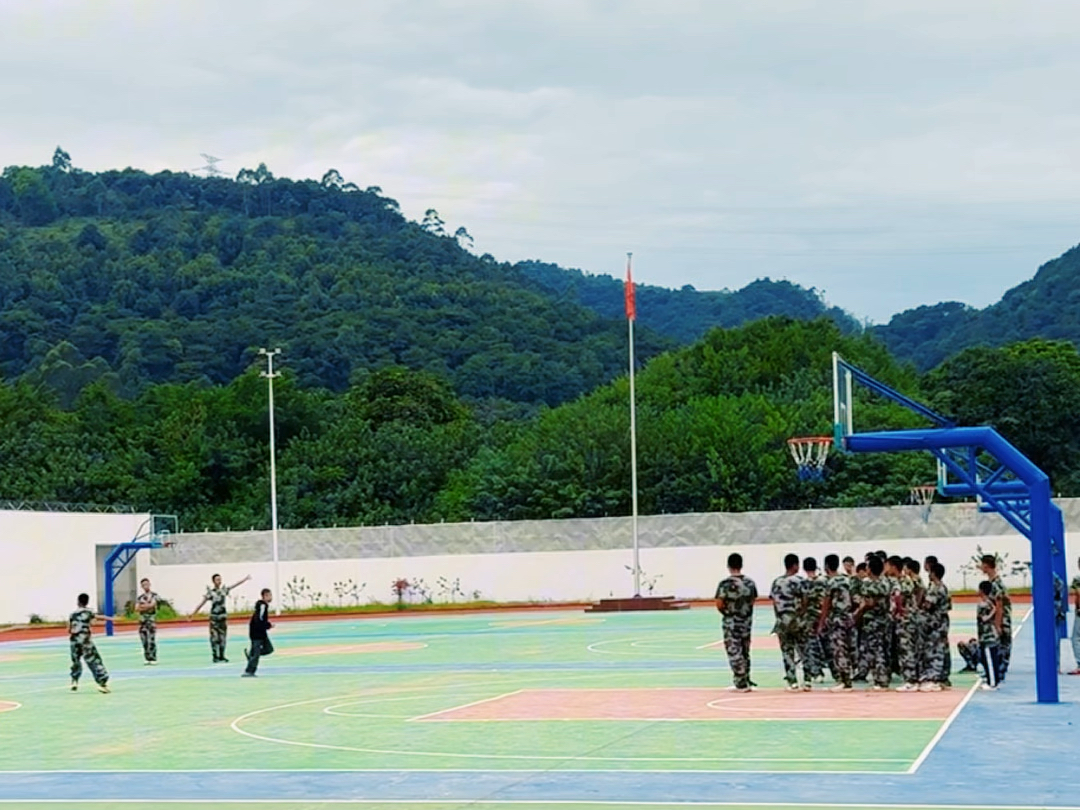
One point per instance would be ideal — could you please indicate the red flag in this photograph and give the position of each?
(631, 310)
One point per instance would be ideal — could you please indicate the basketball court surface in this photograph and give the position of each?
(514, 710)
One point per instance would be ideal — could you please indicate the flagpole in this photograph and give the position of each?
(630, 316)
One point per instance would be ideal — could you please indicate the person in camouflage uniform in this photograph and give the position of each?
(894, 567)
(969, 652)
(936, 604)
(836, 623)
(82, 645)
(219, 616)
(860, 660)
(146, 604)
(872, 618)
(788, 598)
(814, 642)
(987, 623)
(1000, 597)
(930, 561)
(735, 598)
(910, 625)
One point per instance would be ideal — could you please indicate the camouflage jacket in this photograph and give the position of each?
(216, 598)
(936, 604)
(815, 590)
(739, 593)
(841, 600)
(144, 598)
(79, 625)
(984, 622)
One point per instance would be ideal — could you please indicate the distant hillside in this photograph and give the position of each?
(1047, 306)
(138, 279)
(687, 314)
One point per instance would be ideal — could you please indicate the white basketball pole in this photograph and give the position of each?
(630, 315)
(270, 375)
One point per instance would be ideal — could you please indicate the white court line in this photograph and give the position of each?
(465, 705)
(711, 644)
(552, 802)
(956, 712)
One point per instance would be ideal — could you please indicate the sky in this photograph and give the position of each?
(889, 153)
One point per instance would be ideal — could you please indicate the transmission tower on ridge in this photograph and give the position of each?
(211, 168)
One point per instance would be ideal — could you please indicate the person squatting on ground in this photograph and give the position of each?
(815, 644)
(257, 634)
(735, 598)
(219, 616)
(872, 618)
(836, 624)
(788, 598)
(988, 627)
(146, 605)
(82, 645)
(970, 653)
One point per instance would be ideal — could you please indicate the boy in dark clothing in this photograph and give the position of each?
(260, 640)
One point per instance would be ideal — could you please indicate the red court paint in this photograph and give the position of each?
(704, 704)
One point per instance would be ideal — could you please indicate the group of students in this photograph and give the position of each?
(83, 648)
(864, 622)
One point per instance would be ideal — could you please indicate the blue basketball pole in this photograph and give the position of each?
(1024, 501)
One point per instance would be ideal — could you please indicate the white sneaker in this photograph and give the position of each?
(876, 688)
(930, 686)
(907, 687)
(806, 687)
(987, 687)
(841, 688)
(792, 687)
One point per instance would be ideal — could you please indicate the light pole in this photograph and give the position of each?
(270, 375)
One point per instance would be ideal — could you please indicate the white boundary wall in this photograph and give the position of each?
(50, 557)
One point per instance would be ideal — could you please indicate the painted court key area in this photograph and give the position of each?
(675, 705)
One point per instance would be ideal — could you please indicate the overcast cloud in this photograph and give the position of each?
(889, 153)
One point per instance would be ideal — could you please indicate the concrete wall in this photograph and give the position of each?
(569, 560)
(48, 558)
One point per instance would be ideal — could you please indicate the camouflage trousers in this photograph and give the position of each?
(876, 638)
(814, 654)
(909, 650)
(969, 651)
(219, 629)
(935, 654)
(790, 635)
(841, 648)
(148, 637)
(86, 651)
(737, 645)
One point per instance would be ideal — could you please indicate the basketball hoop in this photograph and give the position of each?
(810, 453)
(923, 495)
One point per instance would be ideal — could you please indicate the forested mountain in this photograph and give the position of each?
(138, 279)
(423, 383)
(687, 314)
(1047, 306)
(135, 279)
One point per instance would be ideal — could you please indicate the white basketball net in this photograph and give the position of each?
(810, 452)
(924, 495)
